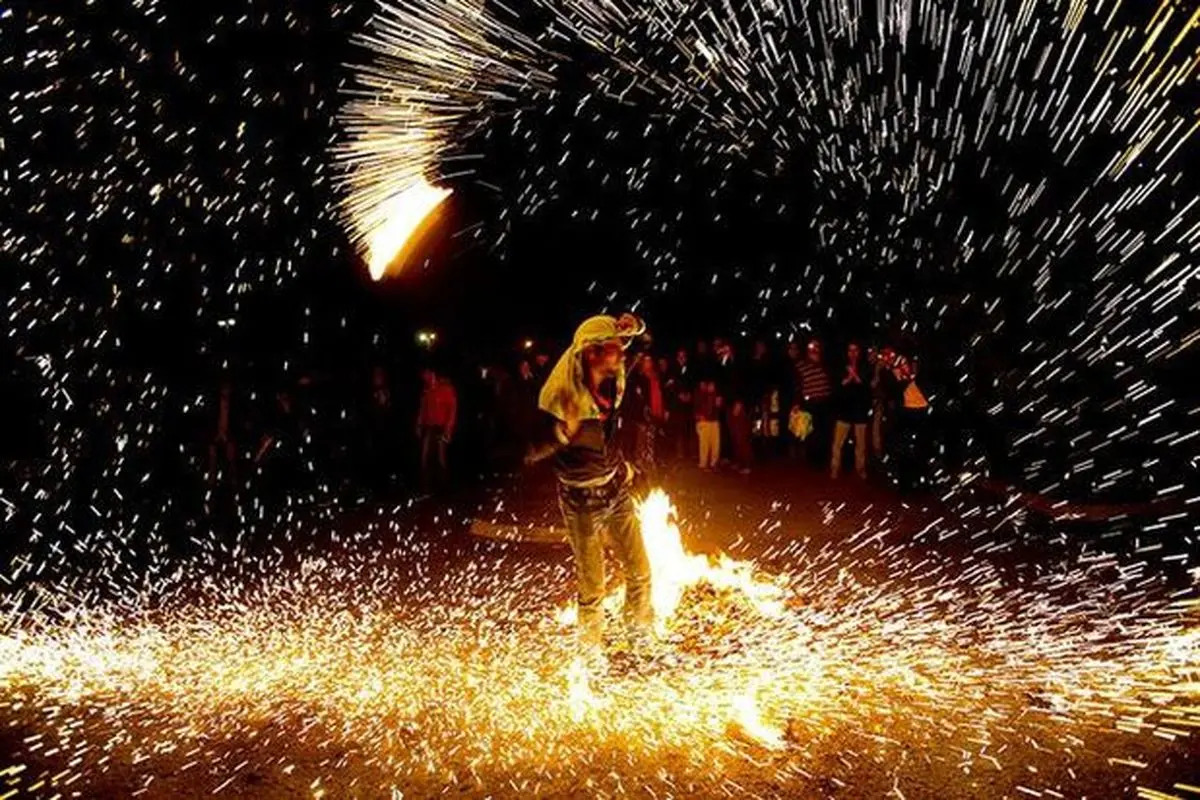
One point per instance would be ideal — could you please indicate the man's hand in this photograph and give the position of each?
(630, 325)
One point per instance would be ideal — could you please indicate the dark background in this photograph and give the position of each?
(168, 218)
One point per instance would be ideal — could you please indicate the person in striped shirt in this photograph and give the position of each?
(814, 391)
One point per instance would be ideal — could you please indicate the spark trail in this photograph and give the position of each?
(1011, 177)
(838, 676)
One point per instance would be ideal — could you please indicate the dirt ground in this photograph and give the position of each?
(105, 745)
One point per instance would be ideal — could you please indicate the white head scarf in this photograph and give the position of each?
(567, 384)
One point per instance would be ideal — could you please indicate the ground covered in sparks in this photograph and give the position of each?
(871, 648)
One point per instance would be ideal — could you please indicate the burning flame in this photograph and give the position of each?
(580, 697)
(748, 716)
(673, 570)
(402, 215)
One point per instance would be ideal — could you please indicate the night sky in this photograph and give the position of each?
(1006, 187)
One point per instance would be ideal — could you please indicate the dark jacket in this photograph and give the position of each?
(730, 374)
(852, 401)
(591, 455)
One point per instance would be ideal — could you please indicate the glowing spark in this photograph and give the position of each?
(749, 717)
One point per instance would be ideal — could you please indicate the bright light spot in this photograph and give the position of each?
(748, 716)
(403, 215)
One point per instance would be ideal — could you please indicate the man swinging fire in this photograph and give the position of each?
(580, 401)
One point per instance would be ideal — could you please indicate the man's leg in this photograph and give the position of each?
(840, 431)
(587, 545)
(443, 466)
(625, 531)
(716, 442)
(426, 445)
(860, 449)
(702, 439)
(877, 429)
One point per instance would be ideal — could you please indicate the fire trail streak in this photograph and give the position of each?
(814, 671)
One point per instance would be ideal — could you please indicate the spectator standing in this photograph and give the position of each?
(791, 396)
(499, 415)
(525, 401)
(731, 375)
(541, 367)
(815, 391)
(882, 397)
(764, 397)
(703, 361)
(278, 458)
(731, 387)
(645, 412)
(382, 447)
(679, 387)
(740, 436)
(912, 430)
(435, 427)
(225, 478)
(852, 408)
(708, 423)
(222, 452)
(662, 371)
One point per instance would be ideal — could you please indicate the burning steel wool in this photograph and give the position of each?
(371, 676)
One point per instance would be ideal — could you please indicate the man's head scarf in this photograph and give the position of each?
(567, 385)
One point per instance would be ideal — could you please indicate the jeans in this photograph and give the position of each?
(590, 516)
(840, 431)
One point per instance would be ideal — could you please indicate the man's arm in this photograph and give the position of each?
(549, 436)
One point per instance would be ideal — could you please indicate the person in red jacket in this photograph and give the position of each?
(435, 427)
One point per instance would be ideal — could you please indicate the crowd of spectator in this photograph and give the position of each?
(713, 405)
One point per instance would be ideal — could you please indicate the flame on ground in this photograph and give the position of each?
(673, 570)
(364, 658)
